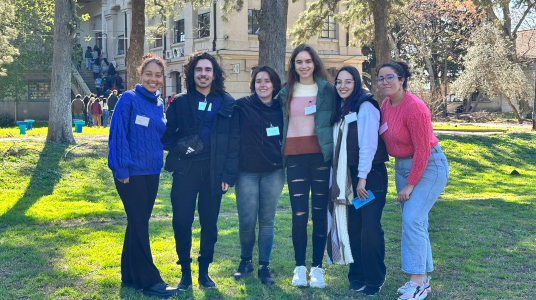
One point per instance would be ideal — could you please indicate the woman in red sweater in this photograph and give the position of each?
(421, 174)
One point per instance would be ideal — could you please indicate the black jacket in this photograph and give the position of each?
(224, 139)
(259, 153)
(352, 144)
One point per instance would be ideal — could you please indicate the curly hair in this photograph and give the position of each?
(149, 58)
(217, 86)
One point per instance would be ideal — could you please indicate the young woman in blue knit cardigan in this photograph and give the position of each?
(136, 157)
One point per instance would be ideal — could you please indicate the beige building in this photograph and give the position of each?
(234, 43)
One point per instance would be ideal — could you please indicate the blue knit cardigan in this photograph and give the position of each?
(135, 149)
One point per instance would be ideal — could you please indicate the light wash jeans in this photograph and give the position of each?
(78, 116)
(416, 248)
(257, 195)
(105, 116)
(90, 118)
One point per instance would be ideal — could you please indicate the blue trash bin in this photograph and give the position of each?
(78, 125)
(22, 127)
(30, 124)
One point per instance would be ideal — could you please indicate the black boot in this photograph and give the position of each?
(264, 275)
(204, 280)
(160, 290)
(186, 279)
(244, 269)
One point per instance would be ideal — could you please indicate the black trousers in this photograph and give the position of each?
(308, 173)
(365, 230)
(138, 198)
(184, 192)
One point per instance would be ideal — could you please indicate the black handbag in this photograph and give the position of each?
(191, 145)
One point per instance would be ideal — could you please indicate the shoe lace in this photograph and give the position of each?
(300, 269)
(315, 271)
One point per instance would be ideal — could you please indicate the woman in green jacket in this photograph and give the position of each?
(307, 101)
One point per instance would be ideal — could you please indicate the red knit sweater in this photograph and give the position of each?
(409, 133)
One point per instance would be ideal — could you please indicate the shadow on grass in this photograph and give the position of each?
(44, 178)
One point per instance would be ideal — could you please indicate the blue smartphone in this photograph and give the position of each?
(358, 203)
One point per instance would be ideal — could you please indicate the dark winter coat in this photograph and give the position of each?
(224, 139)
(259, 153)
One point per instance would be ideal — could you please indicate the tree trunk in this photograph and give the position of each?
(380, 12)
(273, 39)
(137, 41)
(514, 109)
(60, 129)
(478, 98)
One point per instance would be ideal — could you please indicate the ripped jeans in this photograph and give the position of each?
(308, 172)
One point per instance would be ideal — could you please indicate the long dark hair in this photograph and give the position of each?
(274, 78)
(217, 86)
(292, 75)
(350, 102)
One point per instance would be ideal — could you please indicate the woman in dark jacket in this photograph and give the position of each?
(261, 177)
(356, 235)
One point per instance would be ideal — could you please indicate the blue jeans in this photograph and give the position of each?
(257, 195)
(78, 116)
(90, 118)
(416, 248)
(105, 116)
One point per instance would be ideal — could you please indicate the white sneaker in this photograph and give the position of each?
(403, 288)
(300, 276)
(317, 278)
(413, 291)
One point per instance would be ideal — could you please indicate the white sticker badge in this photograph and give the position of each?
(271, 131)
(203, 105)
(311, 109)
(142, 120)
(383, 128)
(351, 117)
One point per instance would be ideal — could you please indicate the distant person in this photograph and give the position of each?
(98, 83)
(96, 67)
(136, 157)
(89, 57)
(119, 82)
(171, 98)
(77, 106)
(108, 92)
(422, 171)
(111, 70)
(105, 115)
(112, 101)
(96, 111)
(105, 65)
(89, 111)
(86, 101)
(98, 50)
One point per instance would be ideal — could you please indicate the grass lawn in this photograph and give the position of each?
(40, 129)
(62, 225)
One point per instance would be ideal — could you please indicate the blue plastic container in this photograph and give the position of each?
(22, 126)
(78, 125)
(30, 124)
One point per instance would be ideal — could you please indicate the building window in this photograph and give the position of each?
(39, 91)
(329, 31)
(179, 32)
(203, 25)
(178, 83)
(98, 39)
(253, 21)
(158, 41)
(121, 44)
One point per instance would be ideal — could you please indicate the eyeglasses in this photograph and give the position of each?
(346, 82)
(389, 78)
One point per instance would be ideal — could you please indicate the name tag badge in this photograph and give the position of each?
(272, 131)
(141, 120)
(203, 105)
(383, 128)
(309, 110)
(351, 117)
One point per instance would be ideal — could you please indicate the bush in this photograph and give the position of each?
(6, 119)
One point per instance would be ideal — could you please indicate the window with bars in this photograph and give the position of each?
(98, 39)
(253, 21)
(121, 44)
(39, 91)
(330, 28)
(179, 36)
(203, 25)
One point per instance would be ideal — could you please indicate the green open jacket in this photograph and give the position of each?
(324, 106)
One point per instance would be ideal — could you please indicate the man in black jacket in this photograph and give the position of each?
(209, 173)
